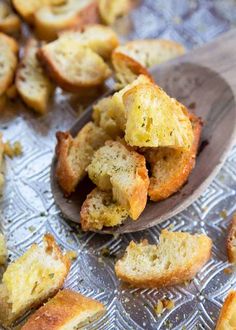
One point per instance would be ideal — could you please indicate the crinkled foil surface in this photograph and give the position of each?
(28, 209)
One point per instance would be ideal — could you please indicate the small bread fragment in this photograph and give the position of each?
(170, 168)
(177, 258)
(75, 154)
(137, 56)
(156, 120)
(227, 317)
(3, 250)
(31, 82)
(8, 61)
(9, 22)
(73, 66)
(101, 39)
(37, 275)
(50, 20)
(117, 168)
(110, 10)
(68, 310)
(231, 241)
(100, 210)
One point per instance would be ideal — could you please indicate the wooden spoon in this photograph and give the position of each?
(204, 79)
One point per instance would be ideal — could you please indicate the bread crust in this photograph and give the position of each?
(62, 309)
(9, 22)
(160, 191)
(184, 273)
(231, 241)
(227, 312)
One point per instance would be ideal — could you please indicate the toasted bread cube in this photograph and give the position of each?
(3, 250)
(115, 167)
(32, 84)
(8, 61)
(231, 241)
(227, 317)
(170, 168)
(102, 118)
(110, 10)
(177, 258)
(50, 20)
(101, 39)
(68, 310)
(73, 66)
(156, 120)
(9, 22)
(37, 275)
(75, 154)
(100, 210)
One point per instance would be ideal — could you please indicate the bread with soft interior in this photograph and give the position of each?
(3, 250)
(137, 56)
(100, 210)
(170, 168)
(51, 19)
(30, 280)
(9, 22)
(176, 259)
(75, 154)
(32, 84)
(73, 66)
(154, 119)
(68, 310)
(227, 317)
(101, 39)
(110, 10)
(116, 167)
(8, 61)
(231, 241)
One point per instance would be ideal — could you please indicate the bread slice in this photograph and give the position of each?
(227, 317)
(50, 20)
(27, 10)
(68, 310)
(75, 154)
(8, 61)
(101, 39)
(156, 120)
(110, 10)
(100, 210)
(231, 241)
(9, 22)
(117, 168)
(170, 168)
(73, 66)
(32, 84)
(177, 258)
(38, 274)
(3, 250)
(137, 56)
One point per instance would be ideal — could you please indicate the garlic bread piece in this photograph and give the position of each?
(73, 66)
(170, 168)
(100, 210)
(101, 39)
(176, 259)
(117, 168)
(32, 84)
(231, 241)
(110, 10)
(9, 22)
(34, 277)
(75, 154)
(3, 250)
(227, 317)
(156, 120)
(8, 61)
(68, 310)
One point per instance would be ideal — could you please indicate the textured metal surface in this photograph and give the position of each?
(28, 210)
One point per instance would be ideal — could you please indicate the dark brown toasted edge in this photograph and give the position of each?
(229, 241)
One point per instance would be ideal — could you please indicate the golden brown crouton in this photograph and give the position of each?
(110, 10)
(231, 241)
(9, 22)
(227, 318)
